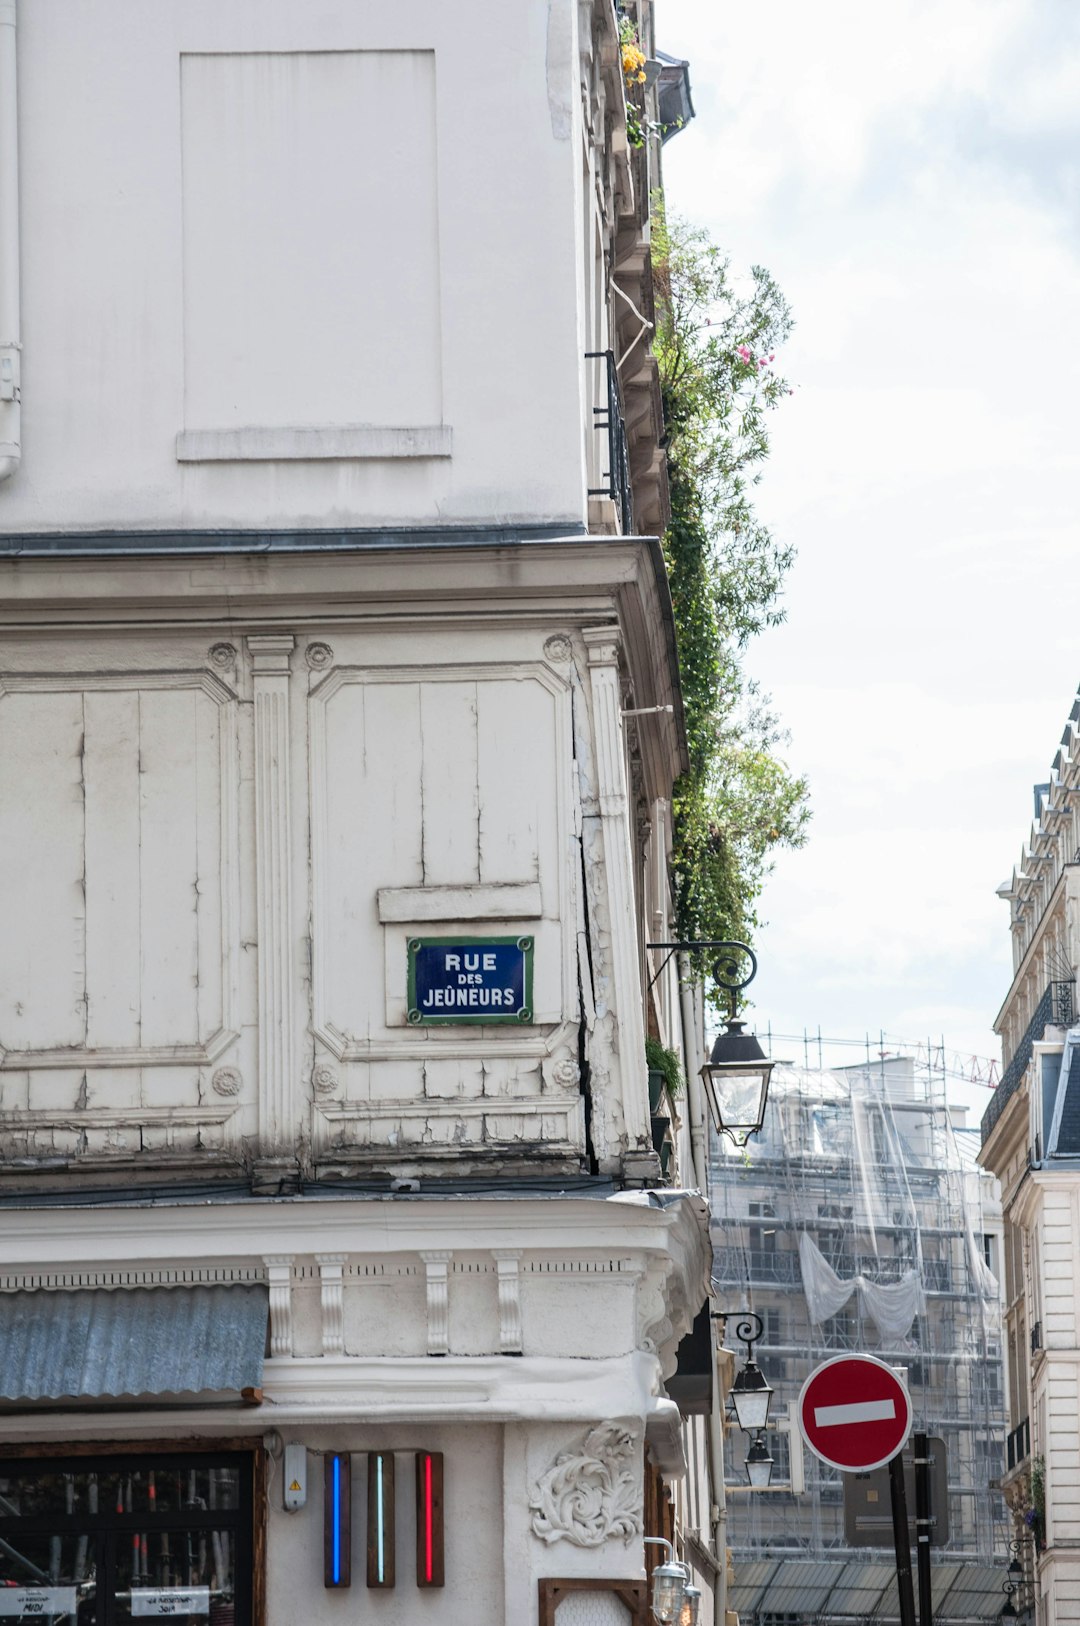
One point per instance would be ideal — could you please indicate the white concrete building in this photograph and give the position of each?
(1031, 1141)
(339, 716)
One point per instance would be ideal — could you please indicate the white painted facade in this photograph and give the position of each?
(1030, 1142)
(319, 626)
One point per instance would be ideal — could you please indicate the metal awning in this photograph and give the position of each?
(131, 1341)
(861, 1590)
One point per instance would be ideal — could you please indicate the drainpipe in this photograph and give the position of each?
(693, 1050)
(10, 388)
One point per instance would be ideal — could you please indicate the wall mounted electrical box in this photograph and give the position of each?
(295, 1476)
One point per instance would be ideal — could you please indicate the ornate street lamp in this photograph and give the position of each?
(736, 1076)
(759, 1464)
(751, 1393)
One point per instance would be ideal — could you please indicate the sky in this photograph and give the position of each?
(910, 174)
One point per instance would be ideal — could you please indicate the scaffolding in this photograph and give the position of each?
(858, 1220)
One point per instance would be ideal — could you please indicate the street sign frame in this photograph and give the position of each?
(861, 1362)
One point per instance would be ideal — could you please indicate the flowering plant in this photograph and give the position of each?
(633, 69)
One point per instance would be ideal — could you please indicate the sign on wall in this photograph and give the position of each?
(470, 979)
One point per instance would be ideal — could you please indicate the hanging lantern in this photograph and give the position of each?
(759, 1464)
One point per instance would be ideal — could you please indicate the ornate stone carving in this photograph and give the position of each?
(567, 1073)
(437, 1266)
(591, 1491)
(318, 656)
(227, 1081)
(279, 1277)
(332, 1295)
(324, 1080)
(222, 656)
(559, 648)
(654, 1325)
(508, 1265)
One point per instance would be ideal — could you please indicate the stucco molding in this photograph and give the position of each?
(592, 1491)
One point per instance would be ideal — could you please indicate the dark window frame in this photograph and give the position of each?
(104, 1527)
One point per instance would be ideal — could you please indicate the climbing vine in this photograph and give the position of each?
(716, 344)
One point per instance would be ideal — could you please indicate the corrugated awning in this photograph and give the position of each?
(131, 1341)
(863, 1590)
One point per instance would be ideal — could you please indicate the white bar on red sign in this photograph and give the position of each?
(170, 1600)
(38, 1601)
(856, 1411)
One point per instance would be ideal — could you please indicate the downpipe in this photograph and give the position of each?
(10, 346)
(693, 1050)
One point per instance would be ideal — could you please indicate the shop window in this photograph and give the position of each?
(106, 1541)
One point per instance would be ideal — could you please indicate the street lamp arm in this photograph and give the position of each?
(725, 967)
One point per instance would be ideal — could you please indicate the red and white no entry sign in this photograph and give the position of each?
(854, 1413)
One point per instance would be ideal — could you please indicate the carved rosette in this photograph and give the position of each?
(227, 1081)
(324, 1080)
(318, 656)
(558, 648)
(222, 656)
(592, 1491)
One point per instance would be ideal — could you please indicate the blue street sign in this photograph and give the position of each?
(470, 979)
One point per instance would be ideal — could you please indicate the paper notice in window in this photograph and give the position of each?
(170, 1600)
(35, 1601)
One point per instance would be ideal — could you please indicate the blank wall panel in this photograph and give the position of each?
(311, 286)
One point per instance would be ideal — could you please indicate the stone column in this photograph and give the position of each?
(621, 1121)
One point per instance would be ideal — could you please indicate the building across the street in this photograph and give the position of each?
(1031, 1141)
(858, 1221)
(344, 1264)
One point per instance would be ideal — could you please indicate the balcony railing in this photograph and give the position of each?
(609, 419)
(762, 1266)
(1055, 1008)
(1018, 1445)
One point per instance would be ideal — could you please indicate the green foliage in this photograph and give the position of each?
(659, 1059)
(716, 346)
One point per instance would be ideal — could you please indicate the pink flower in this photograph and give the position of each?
(744, 353)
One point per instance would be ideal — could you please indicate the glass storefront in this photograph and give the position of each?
(110, 1540)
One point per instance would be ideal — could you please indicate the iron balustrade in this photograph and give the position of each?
(609, 417)
(1018, 1445)
(733, 1265)
(1055, 1008)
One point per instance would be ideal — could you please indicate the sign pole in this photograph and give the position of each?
(901, 1541)
(922, 1527)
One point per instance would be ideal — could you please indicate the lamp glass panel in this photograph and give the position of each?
(751, 1407)
(759, 1473)
(738, 1097)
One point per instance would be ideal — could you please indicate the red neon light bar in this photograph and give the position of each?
(429, 1519)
